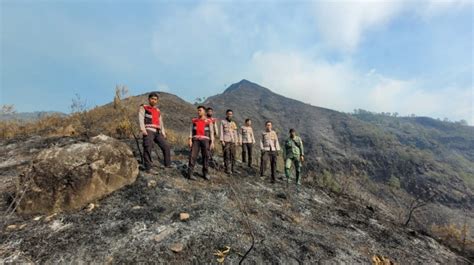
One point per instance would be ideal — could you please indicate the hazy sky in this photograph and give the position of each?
(393, 56)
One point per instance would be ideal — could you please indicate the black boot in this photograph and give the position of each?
(191, 175)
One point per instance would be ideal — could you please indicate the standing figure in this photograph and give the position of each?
(201, 138)
(228, 138)
(270, 147)
(150, 119)
(247, 140)
(294, 154)
(209, 114)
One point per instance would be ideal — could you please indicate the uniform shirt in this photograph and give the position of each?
(228, 131)
(246, 135)
(214, 126)
(141, 121)
(269, 141)
(294, 147)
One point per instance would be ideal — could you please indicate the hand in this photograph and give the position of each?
(164, 135)
(302, 158)
(190, 143)
(144, 132)
(222, 142)
(212, 146)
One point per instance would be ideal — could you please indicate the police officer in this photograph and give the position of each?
(150, 119)
(270, 147)
(201, 138)
(247, 140)
(210, 114)
(228, 137)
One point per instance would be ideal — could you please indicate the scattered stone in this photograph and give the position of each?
(137, 207)
(176, 248)
(11, 227)
(37, 218)
(164, 234)
(90, 207)
(50, 217)
(151, 184)
(184, 216)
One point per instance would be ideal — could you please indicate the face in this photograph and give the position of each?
(268, 126)
(201, 112)
(153, 101)
(229, 114)
(248, 123)
(293, 134)
(210, 113)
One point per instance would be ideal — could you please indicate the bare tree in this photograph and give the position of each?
(79, 110)
(8, 109)
(415, 204)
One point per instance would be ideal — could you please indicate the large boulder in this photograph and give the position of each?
(67, 178)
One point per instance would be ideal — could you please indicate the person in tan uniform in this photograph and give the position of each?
(228, 137)
(247, 140)
(210, 114)
(152, 128)
(270, 147)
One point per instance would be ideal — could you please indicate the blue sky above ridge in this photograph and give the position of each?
(392, 56)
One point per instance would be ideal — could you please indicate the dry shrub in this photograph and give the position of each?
(455, 236)
(51, 125)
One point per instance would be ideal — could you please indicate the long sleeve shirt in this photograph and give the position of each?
(141, 121)
(246, 135)
(294, 147)
(269, 141)
(214, 125)
(228, 131)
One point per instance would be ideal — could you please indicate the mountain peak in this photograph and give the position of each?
(245, 84)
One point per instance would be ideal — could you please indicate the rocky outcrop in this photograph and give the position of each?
(68, 177)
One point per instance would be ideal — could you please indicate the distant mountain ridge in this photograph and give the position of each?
(29, 116)
(421, 154)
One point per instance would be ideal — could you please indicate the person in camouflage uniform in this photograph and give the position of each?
(294, 154)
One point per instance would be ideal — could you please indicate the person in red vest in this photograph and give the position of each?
(210, 114)
(201, 138)
(150, 119)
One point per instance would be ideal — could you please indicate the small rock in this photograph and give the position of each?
(151, 184)
(183, 216)
(90, 207)
(136, 207)
(176, 248)
(37, 218)
(164, 234)
(109, 260)
(50, 217)
(14, 227)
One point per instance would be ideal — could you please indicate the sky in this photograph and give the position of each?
(409, 57)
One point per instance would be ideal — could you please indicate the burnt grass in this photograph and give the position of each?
(291, 225)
